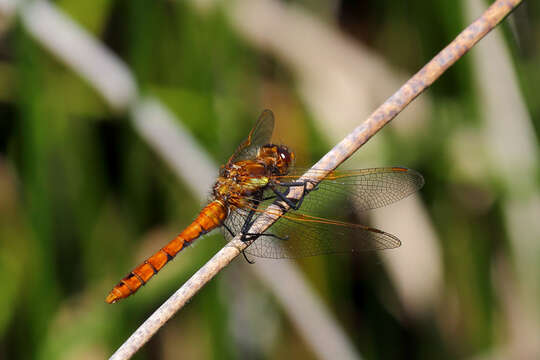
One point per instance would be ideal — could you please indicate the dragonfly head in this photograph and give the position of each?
(285, 158)
(280, 155)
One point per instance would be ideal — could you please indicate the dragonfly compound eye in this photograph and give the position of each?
(286, 157)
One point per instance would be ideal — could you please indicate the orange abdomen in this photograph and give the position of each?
(209, 218)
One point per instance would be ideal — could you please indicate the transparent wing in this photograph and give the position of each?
(313, 230)
(258, 136)
(299, 237)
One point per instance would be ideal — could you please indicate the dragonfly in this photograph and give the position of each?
(260, 173)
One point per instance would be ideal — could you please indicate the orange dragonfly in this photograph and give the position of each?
(258, 174)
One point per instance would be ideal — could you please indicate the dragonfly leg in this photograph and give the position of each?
(249, 221)
(243, 252)
(247, 224)
(245, 257)
(246, 236)
(305, 192)
(295, 203)
(229, 230)
(245, 228)
(253, 236)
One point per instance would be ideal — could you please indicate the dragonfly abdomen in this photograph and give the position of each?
(209, 218)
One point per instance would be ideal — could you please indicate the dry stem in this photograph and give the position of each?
(382, 116)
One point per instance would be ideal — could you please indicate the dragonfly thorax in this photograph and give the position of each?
(246, 179)
(242, 179)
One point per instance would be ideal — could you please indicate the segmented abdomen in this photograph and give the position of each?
(209, 218)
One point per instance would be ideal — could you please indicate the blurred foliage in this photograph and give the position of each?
(83, 198)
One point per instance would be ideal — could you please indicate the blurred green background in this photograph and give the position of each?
(84, 195)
